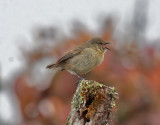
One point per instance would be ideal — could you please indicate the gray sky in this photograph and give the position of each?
(18, 16)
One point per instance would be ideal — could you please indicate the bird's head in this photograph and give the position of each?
(99, 43)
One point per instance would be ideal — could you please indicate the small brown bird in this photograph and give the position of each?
(84, 58)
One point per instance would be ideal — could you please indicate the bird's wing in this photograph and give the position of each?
(69, 55)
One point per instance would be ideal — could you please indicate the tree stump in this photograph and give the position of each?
(92, 104)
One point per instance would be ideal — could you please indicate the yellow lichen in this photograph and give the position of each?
(85, 88)
(90, 93)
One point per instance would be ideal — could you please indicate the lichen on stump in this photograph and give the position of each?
(92, 104)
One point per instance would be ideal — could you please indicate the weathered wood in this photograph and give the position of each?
(92, 104)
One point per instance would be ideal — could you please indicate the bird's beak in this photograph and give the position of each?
(106, 43)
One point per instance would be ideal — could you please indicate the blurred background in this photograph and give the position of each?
(35, 33)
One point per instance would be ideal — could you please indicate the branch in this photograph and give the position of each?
(92, 104)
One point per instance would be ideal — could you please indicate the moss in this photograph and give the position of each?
(114, 95)
(83, 92)
(69, 120)
(112, 104)
(92, 94)
(98, 99)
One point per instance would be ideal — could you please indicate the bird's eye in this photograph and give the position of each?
(100, 43)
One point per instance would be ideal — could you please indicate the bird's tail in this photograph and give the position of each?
(51, 66)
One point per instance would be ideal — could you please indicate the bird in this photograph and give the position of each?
(82, 59)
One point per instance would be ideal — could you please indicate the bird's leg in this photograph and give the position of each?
(81, 78)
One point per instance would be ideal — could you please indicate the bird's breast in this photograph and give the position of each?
(100, 56)
(85, 62)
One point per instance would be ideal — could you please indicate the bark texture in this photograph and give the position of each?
(92, 104)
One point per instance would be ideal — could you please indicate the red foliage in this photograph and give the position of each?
(134, 71)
